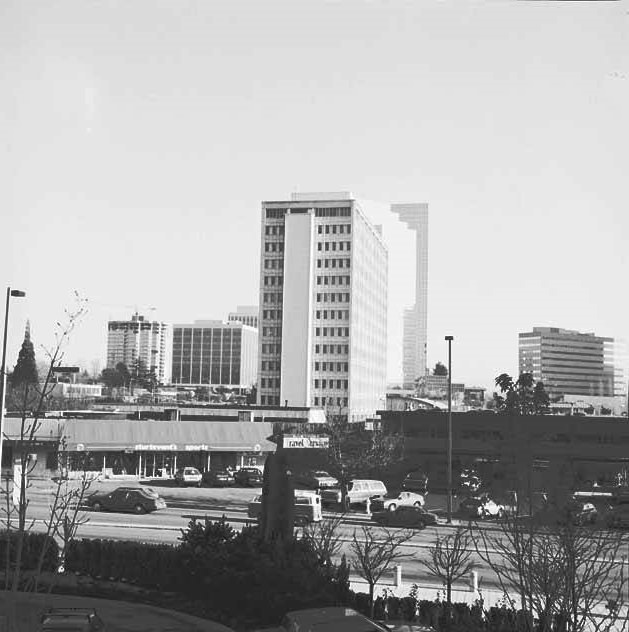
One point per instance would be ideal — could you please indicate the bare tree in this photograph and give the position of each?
(324, 538)
(450, 559)
(375, 552)
(568, 577)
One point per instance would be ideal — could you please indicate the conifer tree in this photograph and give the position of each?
(25, 371)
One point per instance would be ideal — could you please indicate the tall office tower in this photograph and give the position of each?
(573, 363)
(138, 339)
(415, 333)
(245, 314)
(323, 306)
(214, 353)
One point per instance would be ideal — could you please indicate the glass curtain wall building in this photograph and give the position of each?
(323, 306)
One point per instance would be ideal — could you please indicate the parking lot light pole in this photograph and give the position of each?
(3, 371)
(449, 498)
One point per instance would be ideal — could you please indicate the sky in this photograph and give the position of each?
(138, 139)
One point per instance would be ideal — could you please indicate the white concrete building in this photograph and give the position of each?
(415, 333)
(214, 353)
(323, 306)
(138, 339)
(245, 314)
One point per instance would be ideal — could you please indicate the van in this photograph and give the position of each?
(307, 507)
(358, 491)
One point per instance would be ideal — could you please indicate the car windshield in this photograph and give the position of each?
(322, 474)
(149, 491)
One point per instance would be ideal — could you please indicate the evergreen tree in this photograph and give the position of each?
(25, 371)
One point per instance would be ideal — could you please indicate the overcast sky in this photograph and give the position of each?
(138, 139)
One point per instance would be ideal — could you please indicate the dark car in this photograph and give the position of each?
(218, 478)
(248, 477)
(414, 517)
(71, 619)
(134, 499)
(618, 517)
(573, 512)
(316, 479)
(416, 482)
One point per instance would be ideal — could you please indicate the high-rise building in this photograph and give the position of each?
(130, 341)
(415, 332)
(214, 353)
(323, 306)
(245, 314)
(573, 363)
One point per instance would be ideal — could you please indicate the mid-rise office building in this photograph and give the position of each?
(323, 306)
(214, 353)
(139, 340)
(245, 314)
(415, 331)
(572, 363)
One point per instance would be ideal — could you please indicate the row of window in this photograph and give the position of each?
(274, 264)
(271, 347)
(333, 263)
(271, 365)
(333, 280)
(334, 211)
(330, 331)
(339, 367)
(334, 228)
(334, 297)
(274, 280)
(270, 400)
(271, 314)
(272, 297)
(333, 314)
(331, 349)
(331, 384)
(270, 382)
(272, 331)
(277, 229)
(273, 246)
(331, 245)
(329, 401)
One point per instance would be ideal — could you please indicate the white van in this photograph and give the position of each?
(307, 507)
(358, 491)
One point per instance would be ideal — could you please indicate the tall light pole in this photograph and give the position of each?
(449, 499)
(3, 372)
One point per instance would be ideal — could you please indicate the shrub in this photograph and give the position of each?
(31, 550)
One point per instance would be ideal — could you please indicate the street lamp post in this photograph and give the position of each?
(3, 371)
(449, 499)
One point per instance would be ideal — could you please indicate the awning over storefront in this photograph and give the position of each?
(154, 436)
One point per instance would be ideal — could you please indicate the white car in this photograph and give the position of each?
(188, 476)
(403, 499)
(481, 507)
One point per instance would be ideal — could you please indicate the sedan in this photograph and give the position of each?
(248, 477)
(188, 476)
(403, 499)
(316, 479)
(481, 507)
(413, 517)
(138, 500)
(218, 478)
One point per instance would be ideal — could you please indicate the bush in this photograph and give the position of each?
(32, 546)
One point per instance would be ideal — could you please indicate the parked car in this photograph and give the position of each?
(358, 491)
(136, 499)
(71, 619)
(416, 482)
(412, 517)
(248, 477)
(188, 476)
(618, 517)
(316, 479)
(575, 512)
(329, 619)
(403, 499)
(481, 507)
(307, 507)
(217, 478)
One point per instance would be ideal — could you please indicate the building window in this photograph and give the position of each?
(316, 366)
(316, 383)
(327, 246)
(320, 229)
(317, 348)
(319, 246)
(317, 331)
(318, 263)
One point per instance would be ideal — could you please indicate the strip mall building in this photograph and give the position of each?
(140, 448)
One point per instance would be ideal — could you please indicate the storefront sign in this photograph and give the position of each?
(197, 447)
(306, 442)
(155, 447)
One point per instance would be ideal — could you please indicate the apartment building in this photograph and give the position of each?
(214, 353)
(323, 306)
(245, 314)
(569, 362)
(138, 339)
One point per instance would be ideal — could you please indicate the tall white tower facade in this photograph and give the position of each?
(323, 306)
(415, 333)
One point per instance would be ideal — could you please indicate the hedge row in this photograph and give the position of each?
(32, 546)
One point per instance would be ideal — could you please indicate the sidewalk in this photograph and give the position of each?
(119, 616)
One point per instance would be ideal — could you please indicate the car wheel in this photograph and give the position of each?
(97, 507)
(139, 509)
(501, 514)
(417, 504)
(392, 507)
